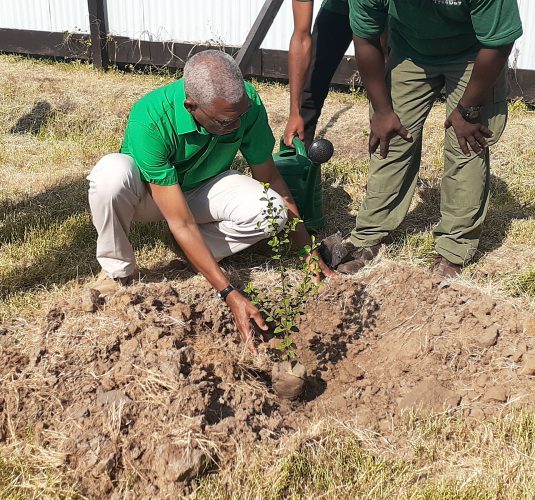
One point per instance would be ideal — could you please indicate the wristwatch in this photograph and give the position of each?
(222, 294)
(470, 113)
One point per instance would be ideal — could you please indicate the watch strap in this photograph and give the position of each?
(222, 294)
(469, 113)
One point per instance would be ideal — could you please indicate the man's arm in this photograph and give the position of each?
(171, 202)
(268, 173)
(298, 65)
(488, 65)
(384, 123)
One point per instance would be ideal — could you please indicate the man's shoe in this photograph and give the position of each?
(358, 258)
(445, 268)
(106, 285)
(333, 251)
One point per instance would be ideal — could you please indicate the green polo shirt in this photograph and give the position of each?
(438, 31)
(170, 148)
(337, 6)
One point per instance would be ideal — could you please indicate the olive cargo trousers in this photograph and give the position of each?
(465, 186)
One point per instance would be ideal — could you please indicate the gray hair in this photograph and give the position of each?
(211, 74)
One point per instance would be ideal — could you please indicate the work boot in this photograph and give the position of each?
(333, 251)
(358, 257)
(107, 286)
(445, 268)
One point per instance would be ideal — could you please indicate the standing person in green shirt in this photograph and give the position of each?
(463, 47)
(179, 144)
(312, 62)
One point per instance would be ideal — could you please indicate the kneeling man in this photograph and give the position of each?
(174, 164)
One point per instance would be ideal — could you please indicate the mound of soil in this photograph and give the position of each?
(148, 389)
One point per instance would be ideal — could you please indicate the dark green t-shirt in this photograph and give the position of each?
(338, 6)
(438, 31)
(170, 148)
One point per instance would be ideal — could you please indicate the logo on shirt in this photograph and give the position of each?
(448, 2)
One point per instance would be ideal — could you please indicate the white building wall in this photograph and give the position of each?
(225, 22)
(45, 15)
(523, 54)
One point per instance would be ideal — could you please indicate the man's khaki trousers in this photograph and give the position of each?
(227, 208)
(465, 186)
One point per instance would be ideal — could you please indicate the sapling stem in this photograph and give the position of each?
(285, 304)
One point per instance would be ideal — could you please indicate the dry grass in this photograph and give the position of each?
(56, 120)
(27, 472)
(434, 457)
(439, 456)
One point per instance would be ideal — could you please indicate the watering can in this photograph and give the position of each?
(302, 172)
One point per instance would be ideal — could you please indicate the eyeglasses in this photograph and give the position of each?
(227, 123)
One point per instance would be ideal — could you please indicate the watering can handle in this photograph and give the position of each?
(298, 145)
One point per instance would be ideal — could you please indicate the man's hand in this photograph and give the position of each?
(243, 312)
(299, 55)
(474, 135)
(318, 267)
(384, 126)
(294, 127)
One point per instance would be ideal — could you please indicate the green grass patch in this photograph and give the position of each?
(22, 479)
(419, 246)
(523, 283)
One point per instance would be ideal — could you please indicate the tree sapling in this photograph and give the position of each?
(285, 303)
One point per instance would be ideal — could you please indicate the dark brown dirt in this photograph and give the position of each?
(150, 388)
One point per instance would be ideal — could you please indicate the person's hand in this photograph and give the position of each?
(294, 127)
(383, 127)
(474, 135)
(243, 312)
(318, 267)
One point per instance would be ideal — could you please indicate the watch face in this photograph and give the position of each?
(473, 114)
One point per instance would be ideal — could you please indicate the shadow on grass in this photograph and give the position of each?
(40, 211)
(504, 208)
(48, 239)
(337, 210)
(332, 121)
(35, 120)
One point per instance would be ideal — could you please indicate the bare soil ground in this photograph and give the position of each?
(148, 393)
(149, 389)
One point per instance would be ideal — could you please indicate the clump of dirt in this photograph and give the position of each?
(288, 379)
(149, 389)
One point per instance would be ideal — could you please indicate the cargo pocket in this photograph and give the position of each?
(494, 114)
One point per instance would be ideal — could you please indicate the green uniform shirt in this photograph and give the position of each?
(338, 6)
(438, 31)
(170, 148)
